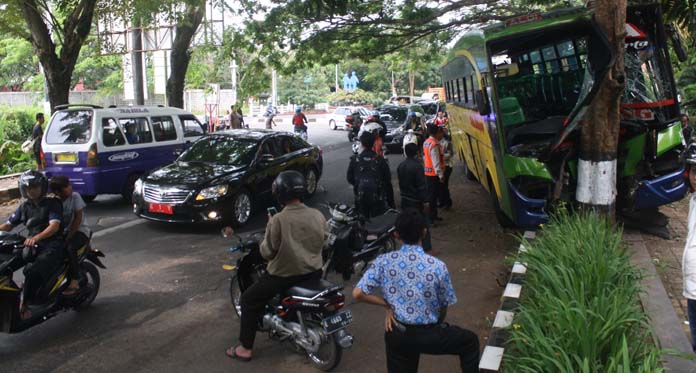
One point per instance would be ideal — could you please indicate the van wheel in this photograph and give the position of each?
(242, 208)
(88, 197)
(503, 219)
(332, 124)
(127, 192)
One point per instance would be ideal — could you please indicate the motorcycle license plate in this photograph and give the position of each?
(337, 322)
(160, 208)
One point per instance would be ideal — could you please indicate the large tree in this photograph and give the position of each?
(187, 25)
(57, 31)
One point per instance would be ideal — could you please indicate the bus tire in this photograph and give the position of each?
(503, 219)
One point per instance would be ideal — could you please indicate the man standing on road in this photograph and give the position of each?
(292, 246)
(37, 135)
(370, 177)
(434, 164)
(416, 290)
(270, 113)
(235, 121)
(414, 188)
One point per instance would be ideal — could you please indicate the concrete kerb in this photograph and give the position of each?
(492, 357)
(9, 193)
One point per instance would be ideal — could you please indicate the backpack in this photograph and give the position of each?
(297, 119)
(368, 181)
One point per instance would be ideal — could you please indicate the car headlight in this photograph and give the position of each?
(211, 192)
(138, 186)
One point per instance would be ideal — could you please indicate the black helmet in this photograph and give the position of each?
(289, 185)
(690, 154)
(31, 179)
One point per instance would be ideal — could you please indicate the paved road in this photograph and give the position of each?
(164, 302)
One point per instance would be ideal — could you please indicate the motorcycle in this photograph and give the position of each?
(307, 315)
(353, 242)
(49, 299)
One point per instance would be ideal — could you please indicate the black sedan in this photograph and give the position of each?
(224, 176)
(394, 117)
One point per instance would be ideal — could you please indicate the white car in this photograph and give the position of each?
(337, 119)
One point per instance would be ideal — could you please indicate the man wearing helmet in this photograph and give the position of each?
(292, 246)
(689, 256)
(42, 217)
(299, 122)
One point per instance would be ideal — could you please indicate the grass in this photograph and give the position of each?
(580, 310)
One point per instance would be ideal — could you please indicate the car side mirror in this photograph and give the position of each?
(266, 158)
(483, 106)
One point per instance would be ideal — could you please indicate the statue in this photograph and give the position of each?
(346, 82)
(354, 81)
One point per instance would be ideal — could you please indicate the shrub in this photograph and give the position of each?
(580, 310)
(13, 160)
(16, 122)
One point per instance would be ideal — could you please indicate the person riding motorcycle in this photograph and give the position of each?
(413, 129)
(299, 121)
(43, 217)
(378, 131)
(355, 122)
(292, 246)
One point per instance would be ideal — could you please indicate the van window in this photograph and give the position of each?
(164, 129)
(192, 128)
(70, 127)
(111, 133)
(137, 130)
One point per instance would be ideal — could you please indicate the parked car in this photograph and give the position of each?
(104, 150)
(337, 119)
(404, 100)
(224, 177)
(394, 117)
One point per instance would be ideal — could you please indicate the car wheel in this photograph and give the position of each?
(242, 208)
(332, 124)
(127, 192)
(312, 181)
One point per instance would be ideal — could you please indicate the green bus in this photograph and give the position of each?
(516, 92)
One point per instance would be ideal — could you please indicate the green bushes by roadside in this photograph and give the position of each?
(16, 123)
(580, 310)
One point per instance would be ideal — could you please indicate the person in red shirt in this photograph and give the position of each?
(441, 120)
(299, 120)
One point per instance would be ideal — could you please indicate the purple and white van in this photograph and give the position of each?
(105, 150)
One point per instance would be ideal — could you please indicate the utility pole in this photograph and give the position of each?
(233, 71)
(597, 168)
(336, 77)
(274, 88)
(137, 58)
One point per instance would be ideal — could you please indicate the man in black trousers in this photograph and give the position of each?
(413, 188)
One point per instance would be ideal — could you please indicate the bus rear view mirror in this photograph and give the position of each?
(677, 43)
(482, 103)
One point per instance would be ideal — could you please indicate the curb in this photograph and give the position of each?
(10, 193)
(492, 357)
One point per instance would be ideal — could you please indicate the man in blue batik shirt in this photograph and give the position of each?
(416, 291)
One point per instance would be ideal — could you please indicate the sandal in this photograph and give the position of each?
(232, 354)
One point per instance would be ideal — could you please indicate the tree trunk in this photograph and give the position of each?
(597, 167)
(58, 70)
(181, 54)
(411, 82)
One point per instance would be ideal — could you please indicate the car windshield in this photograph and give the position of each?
(70, 127)
(393, 114)
(222, 150)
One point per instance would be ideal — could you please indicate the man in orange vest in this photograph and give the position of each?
(434, 166)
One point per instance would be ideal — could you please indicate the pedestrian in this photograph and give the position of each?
(444, 197)
(416, 290)
(689, 256)
(413, 188)
(241, 116)
(299, 122)
(434, 166)
(370, 177)
(269, 114)
(235, 120)
(37, 134)
(76, 231)
(687, 130)
(440, 120)
(292, 246)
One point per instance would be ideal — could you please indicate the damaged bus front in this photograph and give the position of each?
(517, 95)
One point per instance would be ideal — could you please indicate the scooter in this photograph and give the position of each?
(353, 242)
(49, 299)
(307, 315)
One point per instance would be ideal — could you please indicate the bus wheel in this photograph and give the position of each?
(503, 219)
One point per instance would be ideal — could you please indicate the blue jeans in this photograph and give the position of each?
(691, 314)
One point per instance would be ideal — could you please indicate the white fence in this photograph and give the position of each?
(194, 101)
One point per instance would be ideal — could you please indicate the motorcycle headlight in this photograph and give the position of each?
(211, 192)
(138, 186)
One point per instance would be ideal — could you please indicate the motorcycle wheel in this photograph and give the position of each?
(236, 296)
(89, 280)
(328, 356)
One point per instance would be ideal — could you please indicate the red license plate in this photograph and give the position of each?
(160, 208)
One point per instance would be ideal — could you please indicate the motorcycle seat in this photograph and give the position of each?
(310, 289)
(380, 224)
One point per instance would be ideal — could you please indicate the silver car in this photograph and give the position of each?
(337, 119)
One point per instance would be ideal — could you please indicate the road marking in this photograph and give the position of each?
(117, 228)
